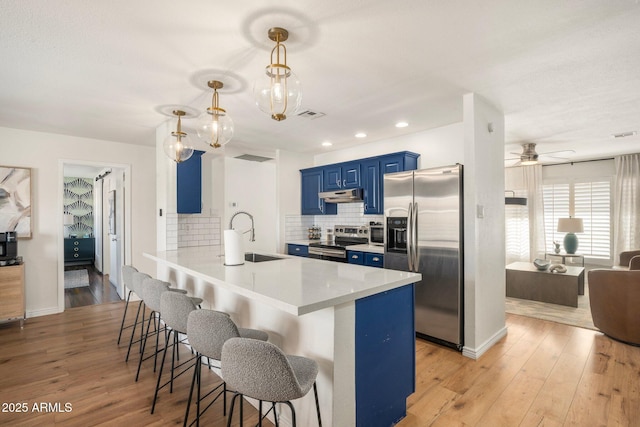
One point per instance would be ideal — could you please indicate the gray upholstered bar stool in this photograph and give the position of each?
(175, 309)
(137, 282)
(261, 370)
(208, 330)
(127, 278)
(152, 289)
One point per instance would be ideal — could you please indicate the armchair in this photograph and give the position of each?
(614, 296)
(630, 257)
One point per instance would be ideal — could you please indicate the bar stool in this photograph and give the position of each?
(207, 331)
(175, 309)
(127, 277)
(261, 370)
(152, 289)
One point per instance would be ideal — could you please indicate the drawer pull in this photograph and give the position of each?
(354, 256)
(297, 249)
(376, 259)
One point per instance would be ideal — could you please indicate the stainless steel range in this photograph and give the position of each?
(345, 235)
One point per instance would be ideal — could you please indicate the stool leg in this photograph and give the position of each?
(315, 392)
(260, 413)
(195, 378)
(164, 356)
(293, 414)
(275, 415)
(133, 331)
(173, 358)
(126, 306)
(233, 402)
(144, 345)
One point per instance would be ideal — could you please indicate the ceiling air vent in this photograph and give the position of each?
(308, 114)
(252, 158)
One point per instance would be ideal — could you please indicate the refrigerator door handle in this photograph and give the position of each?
(408, 237)
(414, 244)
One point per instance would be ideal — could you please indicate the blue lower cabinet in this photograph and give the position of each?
(373, 260)
(355, 257)
(299, 250)
(385, 357)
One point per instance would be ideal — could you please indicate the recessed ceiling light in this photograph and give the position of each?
(624, 134)
(361, 135)
(402, 124)
(327, 144)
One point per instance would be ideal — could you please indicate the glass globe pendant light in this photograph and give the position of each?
(178, 146)
(278, 91)
(215, 127)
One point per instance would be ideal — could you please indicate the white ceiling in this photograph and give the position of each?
(565, 73)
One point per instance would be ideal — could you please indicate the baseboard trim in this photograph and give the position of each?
(475, 353)
(43, 312)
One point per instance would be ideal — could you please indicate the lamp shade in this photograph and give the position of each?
(570, 225)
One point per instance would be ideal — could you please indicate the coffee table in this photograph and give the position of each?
(525, 281)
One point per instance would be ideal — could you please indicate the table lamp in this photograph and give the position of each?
(570, 226)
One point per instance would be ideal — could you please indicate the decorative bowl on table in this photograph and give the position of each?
(541, 264)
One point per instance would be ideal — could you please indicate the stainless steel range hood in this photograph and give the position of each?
(342, 196)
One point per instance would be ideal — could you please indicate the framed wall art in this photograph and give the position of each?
(112, 212)
(15, 200)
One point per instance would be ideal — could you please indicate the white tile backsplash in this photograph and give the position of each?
(192, 230)
(296, 226)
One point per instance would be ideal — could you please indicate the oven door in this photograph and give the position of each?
(338, 255)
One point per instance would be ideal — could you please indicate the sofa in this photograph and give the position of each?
(614, 296)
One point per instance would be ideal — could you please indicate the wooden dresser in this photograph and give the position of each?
(12, 306)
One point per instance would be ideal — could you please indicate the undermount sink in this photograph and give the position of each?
(254, 257)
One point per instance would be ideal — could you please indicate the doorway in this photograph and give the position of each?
(94, 238)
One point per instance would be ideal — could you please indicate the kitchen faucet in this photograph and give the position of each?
(252, 236)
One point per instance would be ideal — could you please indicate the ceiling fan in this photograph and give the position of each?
(529, 156)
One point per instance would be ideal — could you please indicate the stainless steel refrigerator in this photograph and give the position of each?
(423, 234)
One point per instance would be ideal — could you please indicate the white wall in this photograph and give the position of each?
(251, 187)
(43, 152)
(437, 147)
(484, 225)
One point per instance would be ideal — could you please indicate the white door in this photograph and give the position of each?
(115, 209)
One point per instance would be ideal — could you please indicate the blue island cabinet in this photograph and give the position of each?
(385, 357)
(189, 184)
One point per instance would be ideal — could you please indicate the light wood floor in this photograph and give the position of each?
(541, 373)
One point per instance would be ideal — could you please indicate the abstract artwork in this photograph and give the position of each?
(15, 200)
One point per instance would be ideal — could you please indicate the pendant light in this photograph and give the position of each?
(215, 127)
(178, 146)
(278, 91)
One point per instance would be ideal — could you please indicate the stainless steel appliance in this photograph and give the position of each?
(336, 250)
(424, 230)
(342, 196)
(8, 245)
(376, 234)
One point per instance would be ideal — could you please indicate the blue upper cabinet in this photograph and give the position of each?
(364, 173)
(342, 176)
(189, 184)
(312, 184)
(371, 186)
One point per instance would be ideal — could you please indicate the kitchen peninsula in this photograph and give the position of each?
(357, 322)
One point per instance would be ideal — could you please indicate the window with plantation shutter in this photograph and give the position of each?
(591, 201)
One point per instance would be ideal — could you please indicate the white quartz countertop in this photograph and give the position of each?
(296, 285)
(367, 248)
